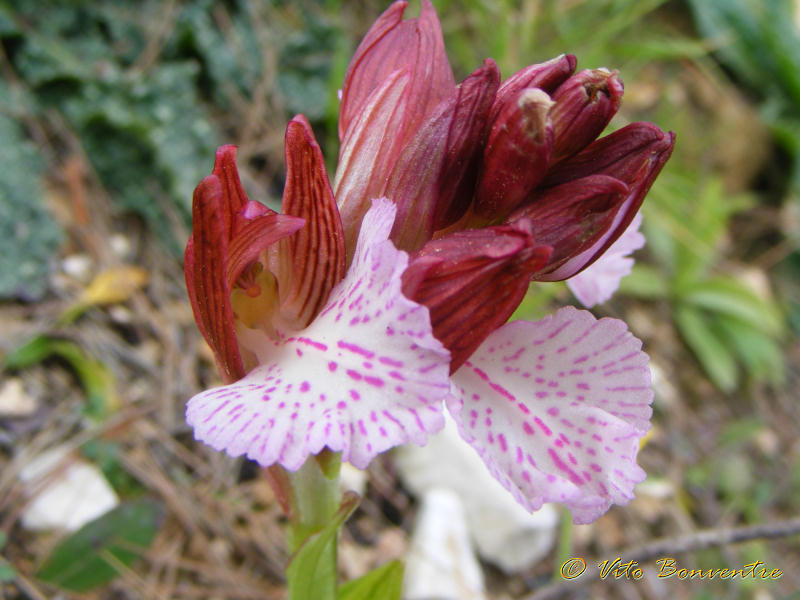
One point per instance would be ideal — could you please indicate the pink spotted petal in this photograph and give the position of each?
(600, 280)
(556, 409)
(364, 376)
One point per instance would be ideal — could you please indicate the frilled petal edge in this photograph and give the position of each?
(364, 376)
(556, 409)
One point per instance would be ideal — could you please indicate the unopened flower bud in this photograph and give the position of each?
(584, 105)
(471, 281)
(571, 218)
(546, 76)
(517, 154)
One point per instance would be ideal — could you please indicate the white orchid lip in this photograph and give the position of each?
(364, 376)
(556, 409)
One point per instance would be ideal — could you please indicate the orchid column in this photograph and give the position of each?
(350, 321)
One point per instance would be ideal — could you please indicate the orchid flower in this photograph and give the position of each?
(352, 324)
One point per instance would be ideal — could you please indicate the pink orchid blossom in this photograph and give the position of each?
(351, 324)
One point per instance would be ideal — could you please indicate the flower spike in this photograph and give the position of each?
(328, 335)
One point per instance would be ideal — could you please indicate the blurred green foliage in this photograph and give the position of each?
(144, 87)
(759, 42)
(101, 549)
(729, 325)
(29, 237)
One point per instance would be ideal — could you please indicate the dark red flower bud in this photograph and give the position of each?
(546, 76)
(635, 155)
(584, 105)
(571, 217)
(392, 44)
(471, 281)
(517, 154)
(433, 179)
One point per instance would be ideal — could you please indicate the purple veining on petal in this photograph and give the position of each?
(361, 415)
(571, 420)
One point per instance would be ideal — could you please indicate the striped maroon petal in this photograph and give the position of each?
(571, 218)
(368, 153)
(433, 179)
(471, 281)
(312, 260)
(392, 44)
(233, 198)
(205, 265)
(635, 155)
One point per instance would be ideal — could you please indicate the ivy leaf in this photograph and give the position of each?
(29, 237)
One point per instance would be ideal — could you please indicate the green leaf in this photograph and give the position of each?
(29, 353)
(761, 354)
(712, 353)
(735, 299)
(385, 582)
(105, 454)
(93, 555)
(645, 282)
(97, 380)
(307, 564)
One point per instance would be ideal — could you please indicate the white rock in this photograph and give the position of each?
(77, 266)
(14, 400)
(353, 479)
(440, 563)
(504, 533)
(64, 499)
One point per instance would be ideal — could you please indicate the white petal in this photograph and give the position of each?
(364, 376)
(556, 410)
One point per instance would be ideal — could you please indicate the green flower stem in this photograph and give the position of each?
(314, 497)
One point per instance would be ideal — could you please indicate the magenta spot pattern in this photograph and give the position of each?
(571, 400)
(334, 384)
